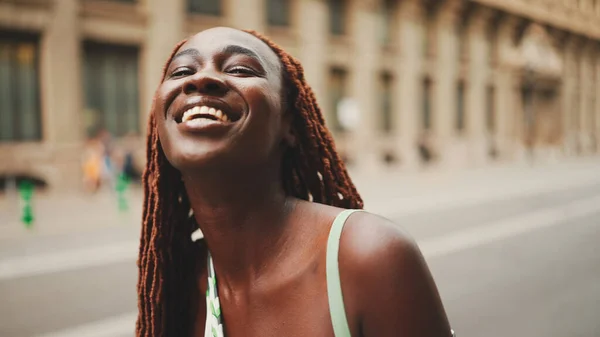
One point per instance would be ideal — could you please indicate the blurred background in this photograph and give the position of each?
(474, 124)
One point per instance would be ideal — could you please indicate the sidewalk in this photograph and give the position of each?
(395, 194)
(389, 194)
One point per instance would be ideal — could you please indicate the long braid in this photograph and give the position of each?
(323, 172)
(165, 254)
(166, 263)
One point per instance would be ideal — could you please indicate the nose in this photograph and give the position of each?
(205, 82)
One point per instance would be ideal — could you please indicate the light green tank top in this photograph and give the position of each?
(214, 319)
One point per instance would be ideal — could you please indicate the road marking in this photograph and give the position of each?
(117, 326)
(403, 206)
(18, 267)
(123, 325)
(499, 230)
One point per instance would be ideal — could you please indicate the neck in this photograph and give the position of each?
(243, 217)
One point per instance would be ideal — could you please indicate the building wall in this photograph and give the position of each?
(453, 77)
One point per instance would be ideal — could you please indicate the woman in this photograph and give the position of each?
(237, 146)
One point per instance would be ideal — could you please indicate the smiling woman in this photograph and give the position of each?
(238, 148)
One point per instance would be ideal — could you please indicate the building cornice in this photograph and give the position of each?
(132, 13)
(113, 22)
(32, 15)
(29, 3)
(571, 20)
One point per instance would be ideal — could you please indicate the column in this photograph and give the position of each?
(445, 84)
(597, 100)
(410, 79)
(585, 72)
(61, 75)
(364, 76)
(476, 86)
(504, 83)
(313, 35)
(166, 20)
(592, 92)
(62, 113)
(567, 94)
(247, 14)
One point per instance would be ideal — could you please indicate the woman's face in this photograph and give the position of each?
(220, 102)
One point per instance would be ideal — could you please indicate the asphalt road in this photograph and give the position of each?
(541, 282)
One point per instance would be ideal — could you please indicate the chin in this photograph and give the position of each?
(198, 160)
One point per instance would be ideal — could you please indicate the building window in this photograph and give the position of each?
(490, 110)
(461, 34)
(427, 38)
(460, 106)
(337, 17)
(575, 110)
(387, 117)
(111, 89)
(337, 92)
(278, 12)
(208, 7)
(388, 12)
(426, 113)
(20, 117)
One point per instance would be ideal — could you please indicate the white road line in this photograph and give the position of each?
(499, 230)
(117, 326)
(124, 325)
(402, 206)
(68, 260)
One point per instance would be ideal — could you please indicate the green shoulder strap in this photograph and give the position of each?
(334, 287)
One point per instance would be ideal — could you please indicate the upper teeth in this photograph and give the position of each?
(204, 110)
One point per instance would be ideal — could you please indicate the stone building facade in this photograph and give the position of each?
(403, 83)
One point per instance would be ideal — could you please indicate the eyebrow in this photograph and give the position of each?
(230, 49)
(191, 52)
(235, 49)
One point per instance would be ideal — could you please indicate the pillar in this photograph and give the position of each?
(364, 77)
(445, 84)
(585, 72)
(314, 34)
(504, 81)
(60, 74)
(166, 20)
(410, 79)
(597, 100)
(568, 93)
(248, 14)
(476, 86)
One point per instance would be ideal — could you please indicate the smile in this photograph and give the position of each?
(204, 112)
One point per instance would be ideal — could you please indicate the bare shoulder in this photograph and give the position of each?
(387, 285)
(374, 242)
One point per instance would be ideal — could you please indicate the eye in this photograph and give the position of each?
(241, 70)
(181, 72)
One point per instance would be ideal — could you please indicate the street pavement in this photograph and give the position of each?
(514, 252)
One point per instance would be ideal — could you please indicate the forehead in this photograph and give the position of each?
(215, 40)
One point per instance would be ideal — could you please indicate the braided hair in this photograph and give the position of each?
(311, 170)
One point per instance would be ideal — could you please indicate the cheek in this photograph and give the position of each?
(265, 103)
(164, 136)
(164, 96)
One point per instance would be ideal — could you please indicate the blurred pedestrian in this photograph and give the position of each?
(128, 167)
(92, 165)
(238, 148)
(109, 171)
